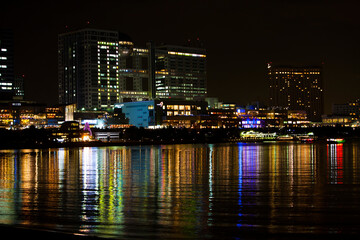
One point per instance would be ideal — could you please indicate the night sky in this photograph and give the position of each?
(240, 39)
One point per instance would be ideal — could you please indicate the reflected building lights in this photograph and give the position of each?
(186, 189)
(335, 163)
(240, 149)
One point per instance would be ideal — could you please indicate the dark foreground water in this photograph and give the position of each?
(217, 191)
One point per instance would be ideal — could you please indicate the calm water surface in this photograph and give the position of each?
(184, 191)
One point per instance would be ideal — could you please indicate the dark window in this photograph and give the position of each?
(129, 62)
(129, 84)
(144, 63)
(145, 84)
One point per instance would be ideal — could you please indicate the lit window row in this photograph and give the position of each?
(140, 50)
(296, 73)
(126, 43)
(187, 54)
(108, 43)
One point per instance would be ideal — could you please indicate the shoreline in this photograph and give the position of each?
(139, 143)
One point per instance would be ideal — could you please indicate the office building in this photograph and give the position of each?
(181, 72)
(88, 68)
(98, 68)
(133, 72)
(297, 88)
(6, 64)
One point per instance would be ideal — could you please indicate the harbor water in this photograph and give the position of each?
(203, 191)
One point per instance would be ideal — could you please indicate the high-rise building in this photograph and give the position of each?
(297, 88)
(6, 64)
(88, 68)
(97, 68)
(181, 72)
(133, 72)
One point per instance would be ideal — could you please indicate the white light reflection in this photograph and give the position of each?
(211, 146)
(89, 172)
(61, 165)
(240, 159)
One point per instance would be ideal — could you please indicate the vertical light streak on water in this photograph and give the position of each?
(119, 188)
(340, 163)
(327, 161)
(108, 174)
(354, 164)
(333, 163)
(211, 146)
(90, 182)
(240, 159)
(61, 166)
(16, 185)
(36, 173)
(312, 164)
(331, 160)
(290, 157)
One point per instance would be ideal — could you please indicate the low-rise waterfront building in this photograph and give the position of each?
(156, 112)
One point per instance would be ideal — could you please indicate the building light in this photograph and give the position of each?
(187, 54)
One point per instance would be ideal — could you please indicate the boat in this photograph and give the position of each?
(285, 138)
(335, 140)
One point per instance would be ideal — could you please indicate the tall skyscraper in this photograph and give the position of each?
(297, 88)
(6, 64)
(88, 68)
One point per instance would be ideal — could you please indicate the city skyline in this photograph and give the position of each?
(239, 39)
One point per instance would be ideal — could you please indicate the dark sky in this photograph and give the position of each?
(240, 38)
